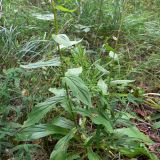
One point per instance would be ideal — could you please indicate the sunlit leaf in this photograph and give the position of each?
(103, 86)
(63, 9)
(122, 81)
(113, 55)
(74, 71)
(64, 41)
(46, 16)
(58, 91)
(53, 62)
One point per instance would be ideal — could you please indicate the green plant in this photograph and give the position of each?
(88, 124)
(91, 112)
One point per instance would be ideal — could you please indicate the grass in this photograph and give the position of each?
(99, 114)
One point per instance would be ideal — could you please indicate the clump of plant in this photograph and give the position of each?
(86, 121)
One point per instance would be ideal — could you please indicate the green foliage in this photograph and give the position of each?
(91, 78)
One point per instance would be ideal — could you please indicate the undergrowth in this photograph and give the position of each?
(79, 79)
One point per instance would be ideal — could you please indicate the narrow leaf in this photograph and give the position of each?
(63, 9)
(122, 81)
(45, 17)
(53, 62)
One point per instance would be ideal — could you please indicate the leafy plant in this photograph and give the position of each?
(88, 117)
(90, 111)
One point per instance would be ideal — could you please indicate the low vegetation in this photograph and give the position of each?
(80, 80)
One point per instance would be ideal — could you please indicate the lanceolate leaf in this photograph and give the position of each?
(122, 81)
(64, 41)
(45, 17)
(101, 69)
(60, 151)
(39, 131)
(63, 9)
(39, 111)
(133, 132)
(78, 88)
(53, 62)
(63, 122)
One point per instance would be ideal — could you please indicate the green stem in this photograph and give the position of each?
(61, 58)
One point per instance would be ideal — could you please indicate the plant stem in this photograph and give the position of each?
(61, 58)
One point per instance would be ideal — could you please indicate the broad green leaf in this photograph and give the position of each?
(39, 111)
(63, 122)
(60, 151)
(78, 88)
(64, 41)
(122, 81)
(92, 155)
(45, 17)
(63, 9)
(103, 86)
(74, 71)
(134, 132)
(39, 131)
(53, 62)
(97, 119)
